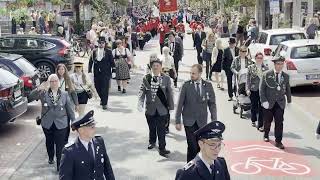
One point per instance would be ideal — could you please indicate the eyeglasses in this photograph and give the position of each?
(244, 51)
(215, 146)
(54, 81)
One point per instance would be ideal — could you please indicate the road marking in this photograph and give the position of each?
(256, 147)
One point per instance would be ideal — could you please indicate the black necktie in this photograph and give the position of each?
(198, 89)
(155, 79)
(212, 171)
(90, 151)
(277, 78)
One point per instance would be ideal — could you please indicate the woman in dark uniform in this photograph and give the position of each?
(217, 56)
(122, 57)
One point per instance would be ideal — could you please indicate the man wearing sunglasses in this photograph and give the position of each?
(207, 165)
(86, 158)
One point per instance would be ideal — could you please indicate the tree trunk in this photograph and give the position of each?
(77, 10)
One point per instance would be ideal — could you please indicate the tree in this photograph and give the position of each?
(101, 7)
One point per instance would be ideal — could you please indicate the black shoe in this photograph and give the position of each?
(164, 152)
(261, 129)
(51, 161)
(280, 145)
(151, 146)
(266, 139)
(124, 91)
(104, 107)
(230, 99)
(119, 88)
(253, 124)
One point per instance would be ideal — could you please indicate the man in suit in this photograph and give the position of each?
(207, 165)
(199, 36)
(102, 62)
(87, 157)
(274, 87)
(195, 97)
(176, 50)
(228, 56)
(156, 90)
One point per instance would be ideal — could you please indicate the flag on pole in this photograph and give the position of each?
(168, 6)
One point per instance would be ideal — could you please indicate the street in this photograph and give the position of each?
(125, 131)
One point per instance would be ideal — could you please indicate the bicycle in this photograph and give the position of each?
(254, 166)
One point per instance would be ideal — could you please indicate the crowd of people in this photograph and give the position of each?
(114, 47)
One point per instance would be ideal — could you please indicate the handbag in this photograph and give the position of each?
(39, 119)
(88, 91)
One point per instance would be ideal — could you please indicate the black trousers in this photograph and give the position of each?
(141, 44)
(157, 127)
(276, 113)
(199, 51)
(208, 68)
(193, 146)
(229, 75)
(161, 47)
(176, 66)
(56, 137)
(102, 86)
(256, 108)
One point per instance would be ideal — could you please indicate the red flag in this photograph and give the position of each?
(168, 6)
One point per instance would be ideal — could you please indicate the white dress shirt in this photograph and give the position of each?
(86, 144)
(279, 76)
(200, 85)
(205, 162)
(100, 54)
(233, 52)
(243, 63)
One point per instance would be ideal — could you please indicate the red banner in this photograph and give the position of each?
(168, 6)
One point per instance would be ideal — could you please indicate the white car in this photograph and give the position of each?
(268, 40)
(302, 61)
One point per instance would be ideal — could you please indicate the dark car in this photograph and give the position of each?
(44, 51)
(13, 103)
(22, 68)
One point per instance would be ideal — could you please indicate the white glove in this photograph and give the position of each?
(248, 92)
(317, 136)
(265, 105)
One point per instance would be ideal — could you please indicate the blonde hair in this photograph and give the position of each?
(219, 44)
(165, 50)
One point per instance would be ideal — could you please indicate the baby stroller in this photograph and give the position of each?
(242, 100)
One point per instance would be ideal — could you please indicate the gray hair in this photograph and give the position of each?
(53, 76)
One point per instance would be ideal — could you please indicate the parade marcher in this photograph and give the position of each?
(122, 57)
(102, 62)
(180, 29)
(274, 87)
(240, 63)
(92, 36)
(141, 31)
(240, 34)
(83, 87)
(168, 66)
(217, 56)
(163, 29)
(87, 157)
(207, 47)
(195, 97)
(229, 55)
(56, 110)
(156, 90)
(254, 76)
(176, 51)
(207, 165)
(199, 36)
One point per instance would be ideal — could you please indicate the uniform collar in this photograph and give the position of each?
(85, 143)
(205, 162)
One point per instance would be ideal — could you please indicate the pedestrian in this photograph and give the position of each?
(168, 66)
(163, 29)
(56, 110)
(207, 47)
(23, 24)
(33, 31)
(240, 34)
(102, 64)
(50, 21)
(157, 92)
(253, 31)
(229, 55)
(207, 165)
(180, 29)
(234, 27)
(87, 157)
(255, 72)
(196, 96)
(42, 23)
(83, 87)
(312, 29)
(176, 51)
(199, 36)
(216, 59)
(122, 57)
(141, 32)
(238, 67)
(33, 16)
(273, 89)
(92, 36)
(13, 26)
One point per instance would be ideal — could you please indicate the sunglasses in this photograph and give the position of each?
(244, 51)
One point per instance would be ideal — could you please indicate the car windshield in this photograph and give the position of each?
(25, 66)
(305, 52)
(262, 38)
(279, 38)
(7, 79)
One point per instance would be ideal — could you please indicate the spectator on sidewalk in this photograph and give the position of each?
(13, 26)
(33, 16)
(312, 28)
(87, 157)
(42, 23)
(55, 114)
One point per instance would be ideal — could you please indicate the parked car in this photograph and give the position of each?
(302, 61)
(43, 51)
(22, 68)
(268, 40)
(13, 103)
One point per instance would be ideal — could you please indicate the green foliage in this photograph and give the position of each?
(56, 2)
(79, 28)
(121, 2)
(101, 7)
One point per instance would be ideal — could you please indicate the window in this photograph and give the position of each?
(25, 66)
(279, 49)
(305, 52)
(277, 39)
(3, 66)
(34, 44)
(262, 38)
(6, 43)
(45, 45)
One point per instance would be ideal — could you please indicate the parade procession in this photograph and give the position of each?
(160, 90)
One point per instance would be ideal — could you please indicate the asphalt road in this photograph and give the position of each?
(23, 154)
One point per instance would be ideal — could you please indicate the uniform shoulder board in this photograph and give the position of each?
(188, 165)
(69, 144)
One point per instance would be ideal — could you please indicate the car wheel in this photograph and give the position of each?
(45, 69)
